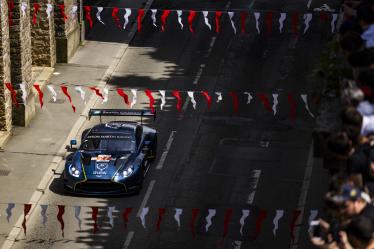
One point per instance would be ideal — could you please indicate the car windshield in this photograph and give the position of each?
(123, 144)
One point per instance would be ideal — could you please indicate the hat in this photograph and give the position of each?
(352, 193)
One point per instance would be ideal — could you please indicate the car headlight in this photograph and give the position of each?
(126, 172)
(74, 171)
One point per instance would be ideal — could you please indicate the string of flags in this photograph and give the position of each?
(194, 213)
(103, 94)
(210, 17)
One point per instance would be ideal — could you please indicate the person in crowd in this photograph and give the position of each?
(365, 18)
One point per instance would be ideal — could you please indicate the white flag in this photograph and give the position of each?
(105, 95)
(76, 215)
(206, 20)
(163, 99)
(307, 18)
(193, 101)
(154, 12)
(245, 214)
(219, 96)
(211, 214)
(275, 103)
(304, 97)
(231, 15)
(134, 97)
(313, 215)
(98, 14)
(81, 92)
(179, 12)
(143, 214)
(278, 215)
(126, 16)
(110, 216)
(334, 18)
(281, 21)
(49, 9)
(178, 212)
(24, 92)
(257, 16)
(53, 92)
(249, 98)
(43, 213)
(23, 8)
(73, 11)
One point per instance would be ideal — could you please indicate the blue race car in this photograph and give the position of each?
(113, 157)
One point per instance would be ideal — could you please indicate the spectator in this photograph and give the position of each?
(365, 17)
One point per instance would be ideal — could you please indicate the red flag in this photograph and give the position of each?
(226, 222)
(87, 9)
(123, 95)
(218, 17)
(164, 16)
(36, 10)
(140, 16)
(125, 216)
(207, 97)
(261, 216)
(65, 91)
(13, 93)
(62, 11)
(243, 16)
(292, 103)
(323, 16)
(265, 101)
(295, 23)
(115, 16)
(10, 12)
(26, 210)
(161, 212)
(97, 91)
(190, 19)
(195, 213)
(177, 95)
(61, 211)
(95, 211)
(269, 22)
(295, 216)
(40, 94)
(235, 101)
(151, 99)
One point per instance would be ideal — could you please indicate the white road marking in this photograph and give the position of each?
(129, 237)
(212, 166)
(237, 244)
(166, 151)
(146, 197)
(251, 197)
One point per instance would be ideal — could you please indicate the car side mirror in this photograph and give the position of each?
(71, 148)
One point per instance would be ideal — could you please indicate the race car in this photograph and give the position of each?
(113, 158)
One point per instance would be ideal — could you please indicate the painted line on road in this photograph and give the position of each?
(129, 237)
(146, 197)
(256, 176)
(166, 151)
(237, 244)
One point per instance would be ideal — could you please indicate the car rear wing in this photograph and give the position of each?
(121, 112)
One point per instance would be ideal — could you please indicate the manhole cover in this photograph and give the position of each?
(58, 101)
(4, 172)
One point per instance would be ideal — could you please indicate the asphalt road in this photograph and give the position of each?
(208, 158)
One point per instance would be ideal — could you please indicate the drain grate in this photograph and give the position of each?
(58, 101)
(4, 172)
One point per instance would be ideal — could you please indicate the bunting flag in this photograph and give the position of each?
(22, 86)
(245, 214)
(13, 93)
(49, 10)
(123, 95)
(163, 99)
(313, 215)
(261, 217)
(243, 16)
(177, 215)
(144, 212)
(275, 103)
(190, 19)
(249, 97)
(295, 23)
(9, 211)
(235, 101)
(10, 12)
(73, 11)
(226, 222)
(87, 10)
(140, 17)
(304, 97)
(115, 17)
(164, 16)
(53, 93)
(40, 94)
(265, 101)
(125, 216)
(295, 216)
(179, 13)
(126, 16)
(231, 16)
(195, 213)
(206, 19)
(35, 14)
(43, 214)
(98, 14)
(281, 20)
(62, 11)
(219, 96)
(151, 99)
(208, 98)
(307, 18)
(269, 22)
(95, 211)
(81, 92)
(23, 8)
(26, 210)
(334, 18)
(77, 212)
(208, 219)
(177, 95)
(110, 216)
(217, 18)
(60, 214)
(257, 16)
(161, 212)
(65, 91)
(154, 12)
(97, 91)
(134, 97)
(106, 95)
(292, 103)
(279, 214)
(193, 101)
